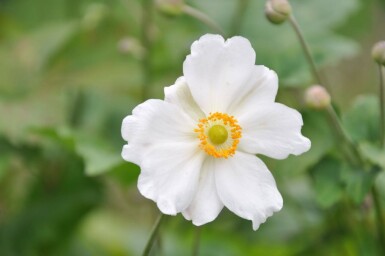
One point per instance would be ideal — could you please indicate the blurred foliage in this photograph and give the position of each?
(70, 70)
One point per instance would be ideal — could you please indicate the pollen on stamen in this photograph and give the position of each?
(228, 147)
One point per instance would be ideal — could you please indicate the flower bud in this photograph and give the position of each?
(317, 97)
(94, 14)
(277, 11)
(130, 45)
(378, 52)
(170, 7)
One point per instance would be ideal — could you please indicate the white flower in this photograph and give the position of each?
(197, 148)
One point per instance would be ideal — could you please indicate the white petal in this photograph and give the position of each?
(152, 123)
(162, 141)
(261, 88)
(180, 95)
(247, 188)
(206, 204)
(273, 130)
(170, 175)
(216, 71)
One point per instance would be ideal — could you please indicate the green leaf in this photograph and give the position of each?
(327, 183)
(358, 182)
(96, 153)
(98, 157)
(126, 173)
(362, 120)
(50, 38)
(375, 154)
(62, 136)
(57, 199)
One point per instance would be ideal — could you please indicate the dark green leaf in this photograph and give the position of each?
(375, 154)
(328, 185)
(57, 200)
(126, 173)
(358, 182)
(362, 120)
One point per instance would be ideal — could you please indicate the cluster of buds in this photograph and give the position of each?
(378, 53)
(277, 11)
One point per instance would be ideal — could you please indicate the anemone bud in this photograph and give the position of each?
(378, 52)
(170, 7)
(317, 97)
(277, 11)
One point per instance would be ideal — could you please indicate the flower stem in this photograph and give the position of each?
(380, 219)
(340, 131)
(197, 238)
(382, 107)
(154, 233)
(195, 13)
(239, 16)
(356, 158)
(147, 16)
(306, 49)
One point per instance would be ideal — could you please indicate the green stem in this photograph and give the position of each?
(153, 235)
(239, 16)
(340, 131)
(355, 155)
(197, 238)
(147, 16)
(195, 13)
(382, 107)
(355, 158)
(306, 49)
(380, 219)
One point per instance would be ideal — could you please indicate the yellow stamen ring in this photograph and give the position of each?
(219, 134)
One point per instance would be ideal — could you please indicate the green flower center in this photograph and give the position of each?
(218, 134)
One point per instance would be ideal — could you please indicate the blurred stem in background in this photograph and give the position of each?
(306, 49)
(340, 130)
(382, 106)
(239, 16)
(352, 154)
(378, 55)
(380, 219)
(195, 13)
(147, 20)
(154, 235)
(197, 238)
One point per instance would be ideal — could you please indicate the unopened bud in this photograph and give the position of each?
(317, 97)
(130, 45)
(378, 52)
(277, 11)
(170, 7)
(94, 14)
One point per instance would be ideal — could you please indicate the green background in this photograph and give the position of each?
(71, 70)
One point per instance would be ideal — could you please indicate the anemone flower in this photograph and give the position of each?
(197, 148)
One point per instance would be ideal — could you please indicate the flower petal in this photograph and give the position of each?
(206, 204)
(180, 95)
(152, 123)
(162, 141)
(216, 71)
(247, 188)
(261, 88)
(273, 130)
(170, 176)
